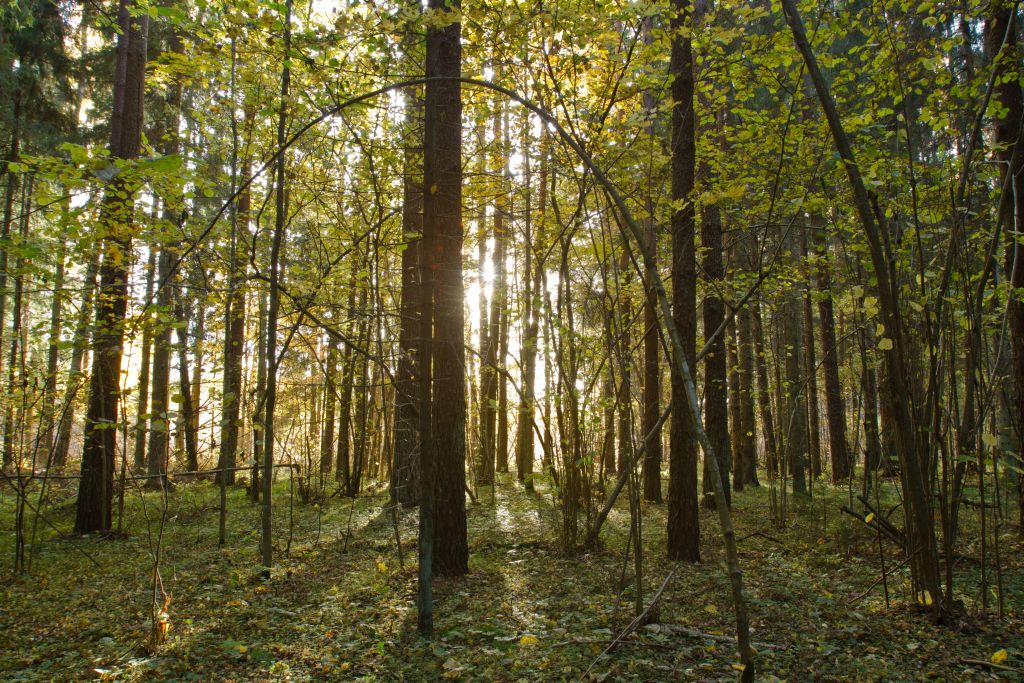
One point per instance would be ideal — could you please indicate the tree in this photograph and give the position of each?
(683, 520)
(442, 228)
(93, 509)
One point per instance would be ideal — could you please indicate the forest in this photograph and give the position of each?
(513, 340)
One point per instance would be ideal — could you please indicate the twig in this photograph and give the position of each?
(991, 665)
(879, 580)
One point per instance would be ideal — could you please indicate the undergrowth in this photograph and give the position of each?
(340, 601)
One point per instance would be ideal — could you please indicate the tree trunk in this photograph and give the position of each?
(442, 223)
(343, 466)
(405, 465)
(160, 420)
(683, 520)
(274, 302)
(234, 334)
(842, 467)
(52, 410)
(716, 390)
(260, 398)
(189, 395)
(14, 420)
(748, 425)
(796, 423)
(652, 369)
(1008, 132)
(764, 396)
(924, 559)
(142, 411)
(78, 353)
(95, 490)
(531, 307)
(810, 368)
(330, 401)
(735, 418)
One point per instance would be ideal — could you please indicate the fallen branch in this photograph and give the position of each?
(633, 625)
(694, 633)
(991, 665)
(762, 535)
(887, 530)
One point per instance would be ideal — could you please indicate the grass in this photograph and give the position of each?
(339, 605)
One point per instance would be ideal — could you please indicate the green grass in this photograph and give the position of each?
(339, 606)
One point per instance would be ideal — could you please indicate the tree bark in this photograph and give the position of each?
(95, 491)
(442, 222)
(142, 411)
(842, 467)
(78, 355)
(764, 396)
(1008, 132)
(683, 519)
(716, 389)
(405, 465)
(234, 334)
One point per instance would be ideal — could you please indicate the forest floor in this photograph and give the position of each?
(340, 605)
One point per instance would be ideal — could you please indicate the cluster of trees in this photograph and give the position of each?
(431, 245)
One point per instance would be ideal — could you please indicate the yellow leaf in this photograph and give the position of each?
(241, 649)
(739, 667)
(999, 656)
(433, 189)
(879, 329)
(885, 344)
(925, 598)
(711, 609)
(870, 516)
(381, 565)
(529, 640)
(990, 440)
(345, 666)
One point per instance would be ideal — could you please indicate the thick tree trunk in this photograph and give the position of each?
(683, 520)
(716, 389)
(95, 491)
(442, 222)
(405, 466)
(842, 467)
(1009, 130)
